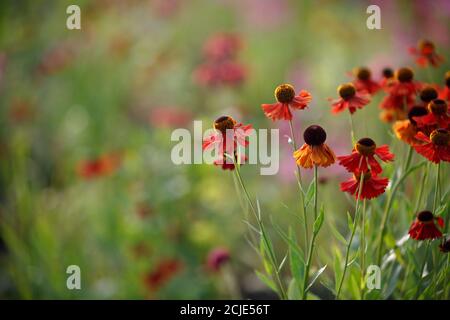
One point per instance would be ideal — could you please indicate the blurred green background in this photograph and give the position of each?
(117, 88)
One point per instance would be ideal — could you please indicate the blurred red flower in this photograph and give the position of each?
(102, 166)
(169, 117)
(363, 81)
(162, 273)
(222, 46)
(217, 258)
(425, 54)
(402, 91)
(437, 115)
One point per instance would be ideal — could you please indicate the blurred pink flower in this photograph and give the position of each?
(169, 117)
(217, 258)
(222, 46)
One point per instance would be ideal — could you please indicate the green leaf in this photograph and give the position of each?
(338, 235)
(319, 221)
(309, 194)
(316, 275)
(297, 264)
(266, 280)
(337, 268)
(349, 221)
(293, 290)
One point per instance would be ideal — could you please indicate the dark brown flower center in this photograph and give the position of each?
(440, 137)
(438, 107)
(284, 93)
(425, 216)
(388, 73)
(428, 93)
(223, 123)
(416, 111)
(314, 135)
(365, 146)
(447, 79)
(346, 91)
(404, 75)
(363, 73)
(426, 46)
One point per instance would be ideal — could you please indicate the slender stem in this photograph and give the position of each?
(387, 210)
(281, 292)
(436, 187)
(313, 239)
(300, 186)
(363, 249)
(422, 186)
(349, 244)
(419, 285)
(352, 131)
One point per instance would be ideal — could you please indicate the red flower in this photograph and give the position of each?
(350, 99)
(228, 134)
(372, 185)
(217, 258)
(363, 157)
(212, 74)
(285, 95)
(437, 115)
(424, 226)
(402, 91)
(162, 273)
(435, 148)
(388, 77)
(101, 166)
(426, 54)
(222, 46)
(364, 82)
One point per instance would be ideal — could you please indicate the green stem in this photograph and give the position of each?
(313, 238)
(363, 249)
(300, 186)
(387, 210)
(265, 239)
(349, 244)
(436, 187)
(352, 131)
(419, 285)
(422, 187)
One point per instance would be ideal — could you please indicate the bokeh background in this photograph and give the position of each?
(86, 118)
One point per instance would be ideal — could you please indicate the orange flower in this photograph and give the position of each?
(285, 95)
(314, 151)
(406, 130)
(391, 115)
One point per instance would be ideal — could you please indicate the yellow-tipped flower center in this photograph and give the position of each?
(365, 146)
(438, 107)
(223, 123)
(404, 75)
(346, 91)
(284, 93)
(440, 137)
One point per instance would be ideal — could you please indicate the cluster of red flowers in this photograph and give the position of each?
(221, 66)
(162, 273)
